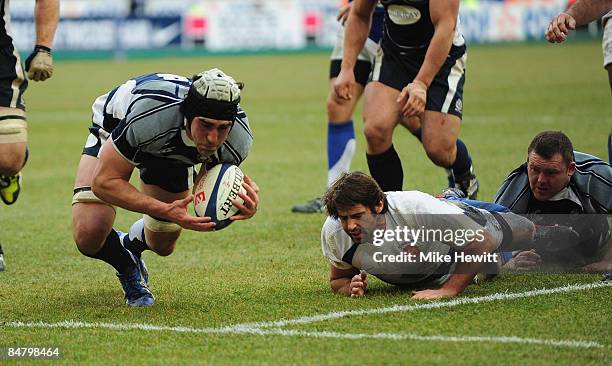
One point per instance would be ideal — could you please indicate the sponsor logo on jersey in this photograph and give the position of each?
(403, 14)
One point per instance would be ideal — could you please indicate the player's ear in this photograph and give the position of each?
(380, 206)
(571, 168)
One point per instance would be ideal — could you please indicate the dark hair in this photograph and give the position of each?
(549, 143)
(352, 189)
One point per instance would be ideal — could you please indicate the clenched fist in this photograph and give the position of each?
(39, 64)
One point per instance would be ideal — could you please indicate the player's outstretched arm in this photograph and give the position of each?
(464, 272)
(39, 64)
(111, 184)
(580, 13)
(355, 35)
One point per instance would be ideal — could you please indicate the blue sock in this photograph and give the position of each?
(340, 149)
(134, 241)
(463, 161)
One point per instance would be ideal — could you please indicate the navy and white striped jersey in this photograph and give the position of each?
(408, 27)
(143, 118)
(591, 187)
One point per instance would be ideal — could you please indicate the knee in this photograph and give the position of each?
(11, 164)
(440, 153)
(89, 238)
(376, 135)
(164, 250)
(339, 110)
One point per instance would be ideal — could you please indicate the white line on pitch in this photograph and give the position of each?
(272, 328)
(429, 305)
(442, 338)
(297, 333)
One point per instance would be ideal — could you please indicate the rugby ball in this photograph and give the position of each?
(215, 191)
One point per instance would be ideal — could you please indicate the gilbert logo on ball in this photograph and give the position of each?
(214, 193)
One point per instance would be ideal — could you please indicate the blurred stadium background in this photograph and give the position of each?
(121, 28)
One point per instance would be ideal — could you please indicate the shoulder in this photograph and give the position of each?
(331, 227)
(513, 187)
(335, 243)
(148, 118)
(416, 202)
(593, 180)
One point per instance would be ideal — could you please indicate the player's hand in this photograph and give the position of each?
(177, 213)
(39, 64)
(434, 294)
(412, 99)
(344, 85)
(524, 261)
(559, 28)
(251, 200)
(598, 267)
(358, 284)
(343, 13)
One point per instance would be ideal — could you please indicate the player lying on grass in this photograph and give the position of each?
(560, 185)
(163, 125)
(417, 240)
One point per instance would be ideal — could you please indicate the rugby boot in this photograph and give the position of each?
(313, 206)
(141, 264)
(451, 192)
(10, 186)
(468, 183)
(137, 294)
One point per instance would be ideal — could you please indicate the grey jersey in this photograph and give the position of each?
(144, 120)
(591, 184)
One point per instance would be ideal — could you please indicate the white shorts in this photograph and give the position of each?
(607, 39)
(368, 52)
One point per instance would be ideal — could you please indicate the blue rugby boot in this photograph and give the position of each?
(137, 293)
(141, 264)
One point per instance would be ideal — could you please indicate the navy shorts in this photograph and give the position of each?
(445, 94)
(13, 81)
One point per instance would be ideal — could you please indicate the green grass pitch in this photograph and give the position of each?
(271, 267)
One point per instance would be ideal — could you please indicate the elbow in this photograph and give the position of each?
(335, 287)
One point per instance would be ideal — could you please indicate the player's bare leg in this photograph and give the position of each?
(340, 142)
(381, 114)
(13, 152)
(440, 132)
(93, 233)
(91, 221)
(161, 240)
